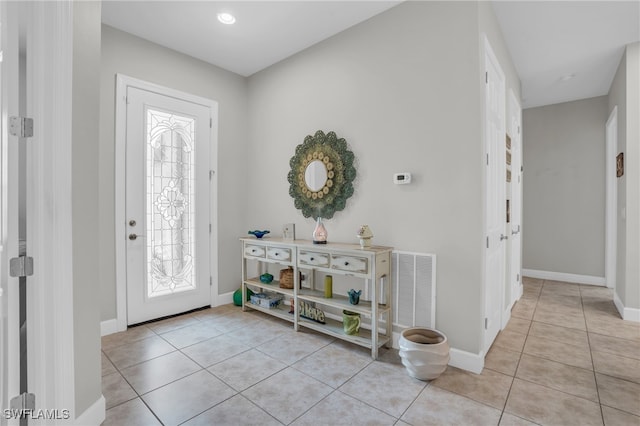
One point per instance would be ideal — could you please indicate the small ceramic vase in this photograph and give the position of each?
(354, 296)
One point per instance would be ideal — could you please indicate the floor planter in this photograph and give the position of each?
(424, 352)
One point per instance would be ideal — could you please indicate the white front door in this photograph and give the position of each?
(168, 194)
(515, 279)
(495, 201)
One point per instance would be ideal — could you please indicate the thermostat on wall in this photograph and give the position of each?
(402, 178)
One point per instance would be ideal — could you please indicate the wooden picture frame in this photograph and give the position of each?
(620, 164)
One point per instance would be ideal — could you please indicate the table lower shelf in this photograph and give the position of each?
(280, 311)
(334, 328)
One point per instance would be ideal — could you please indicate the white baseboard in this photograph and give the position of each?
(224, 299)
(466, 360)
(561, 276)
(628, 314)
(109, 327)
(93, 415)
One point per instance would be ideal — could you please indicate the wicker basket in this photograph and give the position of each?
(286, 278)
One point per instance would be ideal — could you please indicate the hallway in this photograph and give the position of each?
(565, 358)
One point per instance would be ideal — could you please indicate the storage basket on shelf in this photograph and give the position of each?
(286, 278)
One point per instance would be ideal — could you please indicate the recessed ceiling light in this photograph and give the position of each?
(226, 18)
(567, 77)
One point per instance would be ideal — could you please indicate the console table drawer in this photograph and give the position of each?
(313, 259)
(349, 263)
(254, 251)
(278, 253)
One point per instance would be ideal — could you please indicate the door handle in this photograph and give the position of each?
(503, 237)
(134, 237)
(514, 232)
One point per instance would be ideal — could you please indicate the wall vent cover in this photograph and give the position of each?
(413, 287)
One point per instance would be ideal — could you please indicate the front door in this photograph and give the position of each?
(168, 194)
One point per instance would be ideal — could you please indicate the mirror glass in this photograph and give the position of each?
(315, 176)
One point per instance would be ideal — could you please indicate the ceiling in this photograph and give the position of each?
(547, 40)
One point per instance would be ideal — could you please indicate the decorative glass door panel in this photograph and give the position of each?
(167, 205)
(170, 201)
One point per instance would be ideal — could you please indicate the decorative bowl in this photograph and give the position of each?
(266, 278)
(259, 234)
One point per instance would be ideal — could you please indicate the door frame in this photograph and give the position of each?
(489, 55)
(611, 209)
(516, 112)
(122, 82)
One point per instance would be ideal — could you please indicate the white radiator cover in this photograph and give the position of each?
(413, 289)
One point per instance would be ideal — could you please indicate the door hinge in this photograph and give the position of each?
(210, 123)
(210, 281)
(211, 173)
(486, 323)
(21, 127)
(518, 277)
(486, 77)
(209, 228)
(23, 402)
(487, 242)
(21, 267)
(487, 159)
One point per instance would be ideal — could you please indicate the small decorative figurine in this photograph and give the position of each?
(365, 235)
(259, 234)
(266, 278)
(354, 296)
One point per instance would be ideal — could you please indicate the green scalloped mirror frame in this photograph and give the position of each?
(331, 196)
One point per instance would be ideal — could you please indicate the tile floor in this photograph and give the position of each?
(565, 358)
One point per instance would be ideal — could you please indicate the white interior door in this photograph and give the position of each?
(167, 205)
(9, 106)
(515, 279)
(611, 141)
(495, 202)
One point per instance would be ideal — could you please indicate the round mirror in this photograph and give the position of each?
(321, 175)
(316, 175)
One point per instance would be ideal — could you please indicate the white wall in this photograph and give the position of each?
(625, 93)
(564, 187)
(404, 90)
(85, 194)
(135, 57)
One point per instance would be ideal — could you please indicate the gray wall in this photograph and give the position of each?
(564, 187)
(404, 89)
(625, 94)
(135, 57)
(85, 194)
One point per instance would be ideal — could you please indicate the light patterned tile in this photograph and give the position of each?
(116, 390)
(152, 374)
(173, 323)
(573, 380)
(614, 345)
(131, 413)
(296, 394)
(138, 351)
(372, 386)
(559, 352)
(518, 325)
(560, 334)
(435, 406)
(524, 309)
(260, 332)
(126, 337)
(107, 366)
(214, 350)
(510, 340)
(543, 405)
(489, 387)
(617, 366)
(502, 360)
(511, 420)
(292, 346)
(191, 334)
(335, 363)
(237, 410)
(185, 398)
(618, 393)
(613, 417)
(341, 409)
(246, 369)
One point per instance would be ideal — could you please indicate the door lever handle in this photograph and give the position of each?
(134, 237)
(514, 232)
(503, 237)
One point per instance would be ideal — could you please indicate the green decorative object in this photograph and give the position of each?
(237, 296)
(321, 176)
